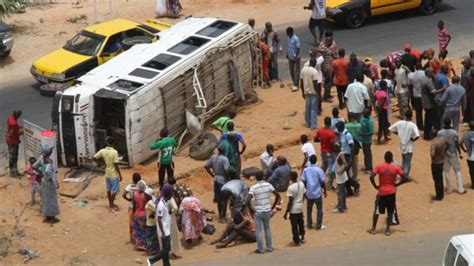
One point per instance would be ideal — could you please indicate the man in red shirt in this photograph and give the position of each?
(340, 72)
(387, 189)
(327, 138)
(14, 131)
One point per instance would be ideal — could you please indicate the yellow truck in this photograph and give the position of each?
(353, 13)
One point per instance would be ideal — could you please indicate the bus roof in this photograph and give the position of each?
(137, 66)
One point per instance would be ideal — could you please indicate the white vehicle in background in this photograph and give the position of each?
(200, 66)
(460, 251)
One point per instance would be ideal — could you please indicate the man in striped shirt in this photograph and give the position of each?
(262, 208)
(443, 36)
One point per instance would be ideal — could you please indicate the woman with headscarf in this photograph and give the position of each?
(49, 185)
(193, 219)
(139, 200)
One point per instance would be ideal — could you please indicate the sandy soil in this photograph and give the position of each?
(91, 235)
(45, 28)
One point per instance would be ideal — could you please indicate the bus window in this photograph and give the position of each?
(216, 28)
(125, 85)
(188, 46)
(143, 73)
(162, 61)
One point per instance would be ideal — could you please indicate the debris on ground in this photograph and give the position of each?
(29, 254)
(77, 18)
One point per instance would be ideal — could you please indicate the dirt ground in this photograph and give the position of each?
(89, 234)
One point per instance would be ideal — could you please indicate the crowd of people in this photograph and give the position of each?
(414, 83)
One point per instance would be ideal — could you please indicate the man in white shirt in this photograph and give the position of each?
(267, 161)
(408, 133)
(261, 191)
(295, 195)
(309, 87)
(357, 97)
(307, 149)
(163, 221)
(401, 87)
(317, 19)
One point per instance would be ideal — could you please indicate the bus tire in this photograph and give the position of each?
(203, 147)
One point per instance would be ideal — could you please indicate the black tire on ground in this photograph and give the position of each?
(428, 7)
(356, 18)
(5, 54)
(131, 41)
(49, 90)
(203, 147)
(251, 171)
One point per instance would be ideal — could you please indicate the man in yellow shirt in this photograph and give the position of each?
(109, 156)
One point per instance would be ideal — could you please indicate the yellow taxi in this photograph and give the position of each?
(93, 46)
(353, 13)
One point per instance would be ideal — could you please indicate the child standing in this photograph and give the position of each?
(341, 179)
(33, 177)
(295, 194)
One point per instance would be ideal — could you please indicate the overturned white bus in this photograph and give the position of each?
(200, 64)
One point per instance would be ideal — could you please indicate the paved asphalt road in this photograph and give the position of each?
(378, 37)
(415, 250)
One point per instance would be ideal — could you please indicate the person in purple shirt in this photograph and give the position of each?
(453, 99)
(238, 139)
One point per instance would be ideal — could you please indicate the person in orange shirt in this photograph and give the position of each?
(340, 70)
(431, 61)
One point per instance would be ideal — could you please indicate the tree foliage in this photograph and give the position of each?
(11, 6)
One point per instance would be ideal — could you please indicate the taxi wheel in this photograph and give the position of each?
(428, 7)
(356, 18)
(5, 54)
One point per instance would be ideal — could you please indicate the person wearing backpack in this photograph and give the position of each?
(467, 145)
(348, 148)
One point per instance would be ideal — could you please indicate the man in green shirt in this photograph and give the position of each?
(366, 133)
(228, 151)
(221, 122)
(354, 128)
(166, 146)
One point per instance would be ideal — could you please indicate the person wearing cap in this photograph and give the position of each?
(163, 222)
(113, 177)
(408, 59)
(373, 70)
(12, 138)
(49, 185)
(139, 201)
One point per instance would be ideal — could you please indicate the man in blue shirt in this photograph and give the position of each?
(348, 149)
(313, 179)
(441, 84)
(454, 100)
(294, 57)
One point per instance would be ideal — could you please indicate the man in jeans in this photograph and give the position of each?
(454, 100)
(163, 219)
(218, 167)
(313, 178)
(408, 133)
(327, 138)
(294, 57)
(309, 88)
(437, 153)
(261, 191)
